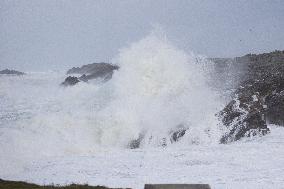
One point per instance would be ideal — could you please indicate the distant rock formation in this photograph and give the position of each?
(70, 81)
(95, 69)
(11, 72)
(258, 100)
(89, 72)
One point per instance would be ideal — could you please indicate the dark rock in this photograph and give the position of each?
(275, 108)
(177, 133)
(94, 71)
(244, 118)
(259, 98)
(83, 78)
(136, 142)
(70, 81)
(174, 136)
(11, 72)
(95, 68)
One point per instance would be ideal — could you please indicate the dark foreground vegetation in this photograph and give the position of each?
(4, 184)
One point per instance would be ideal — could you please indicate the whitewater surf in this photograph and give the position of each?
(83, 133)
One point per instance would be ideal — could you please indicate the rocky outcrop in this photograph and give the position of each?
(275, 108)
(70, 81)
(259, 98)
(244, 116)
(136, 143)
(177, 133)
(174, 135)
(92, 71)
(11, 72)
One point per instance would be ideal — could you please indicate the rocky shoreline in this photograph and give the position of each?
(256, 99)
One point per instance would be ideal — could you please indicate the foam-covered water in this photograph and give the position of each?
(157, 89)
(54, 134)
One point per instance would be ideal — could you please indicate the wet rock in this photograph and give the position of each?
(70, 81)
(177, 134)
(173, 136)
(94, 71)
(136, 143)
(243, 117)
(275, 108)
(258, 100)
(11, 72)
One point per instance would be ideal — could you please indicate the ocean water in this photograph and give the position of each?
(54, 134)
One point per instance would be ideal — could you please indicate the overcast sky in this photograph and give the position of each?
(57, 34)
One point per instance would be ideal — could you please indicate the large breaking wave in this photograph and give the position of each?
(158, 90)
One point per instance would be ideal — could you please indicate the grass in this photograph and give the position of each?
(4, 184)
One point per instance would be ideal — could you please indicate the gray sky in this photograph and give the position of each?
(57, 34)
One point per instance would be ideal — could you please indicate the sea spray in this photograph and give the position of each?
(157, 90)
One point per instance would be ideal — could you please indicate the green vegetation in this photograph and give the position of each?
(24, 185)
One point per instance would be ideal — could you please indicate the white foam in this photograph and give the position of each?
(157, 88)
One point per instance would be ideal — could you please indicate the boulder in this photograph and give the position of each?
(136, 143)
(177, 133)
(70, 81)
(174, 135)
